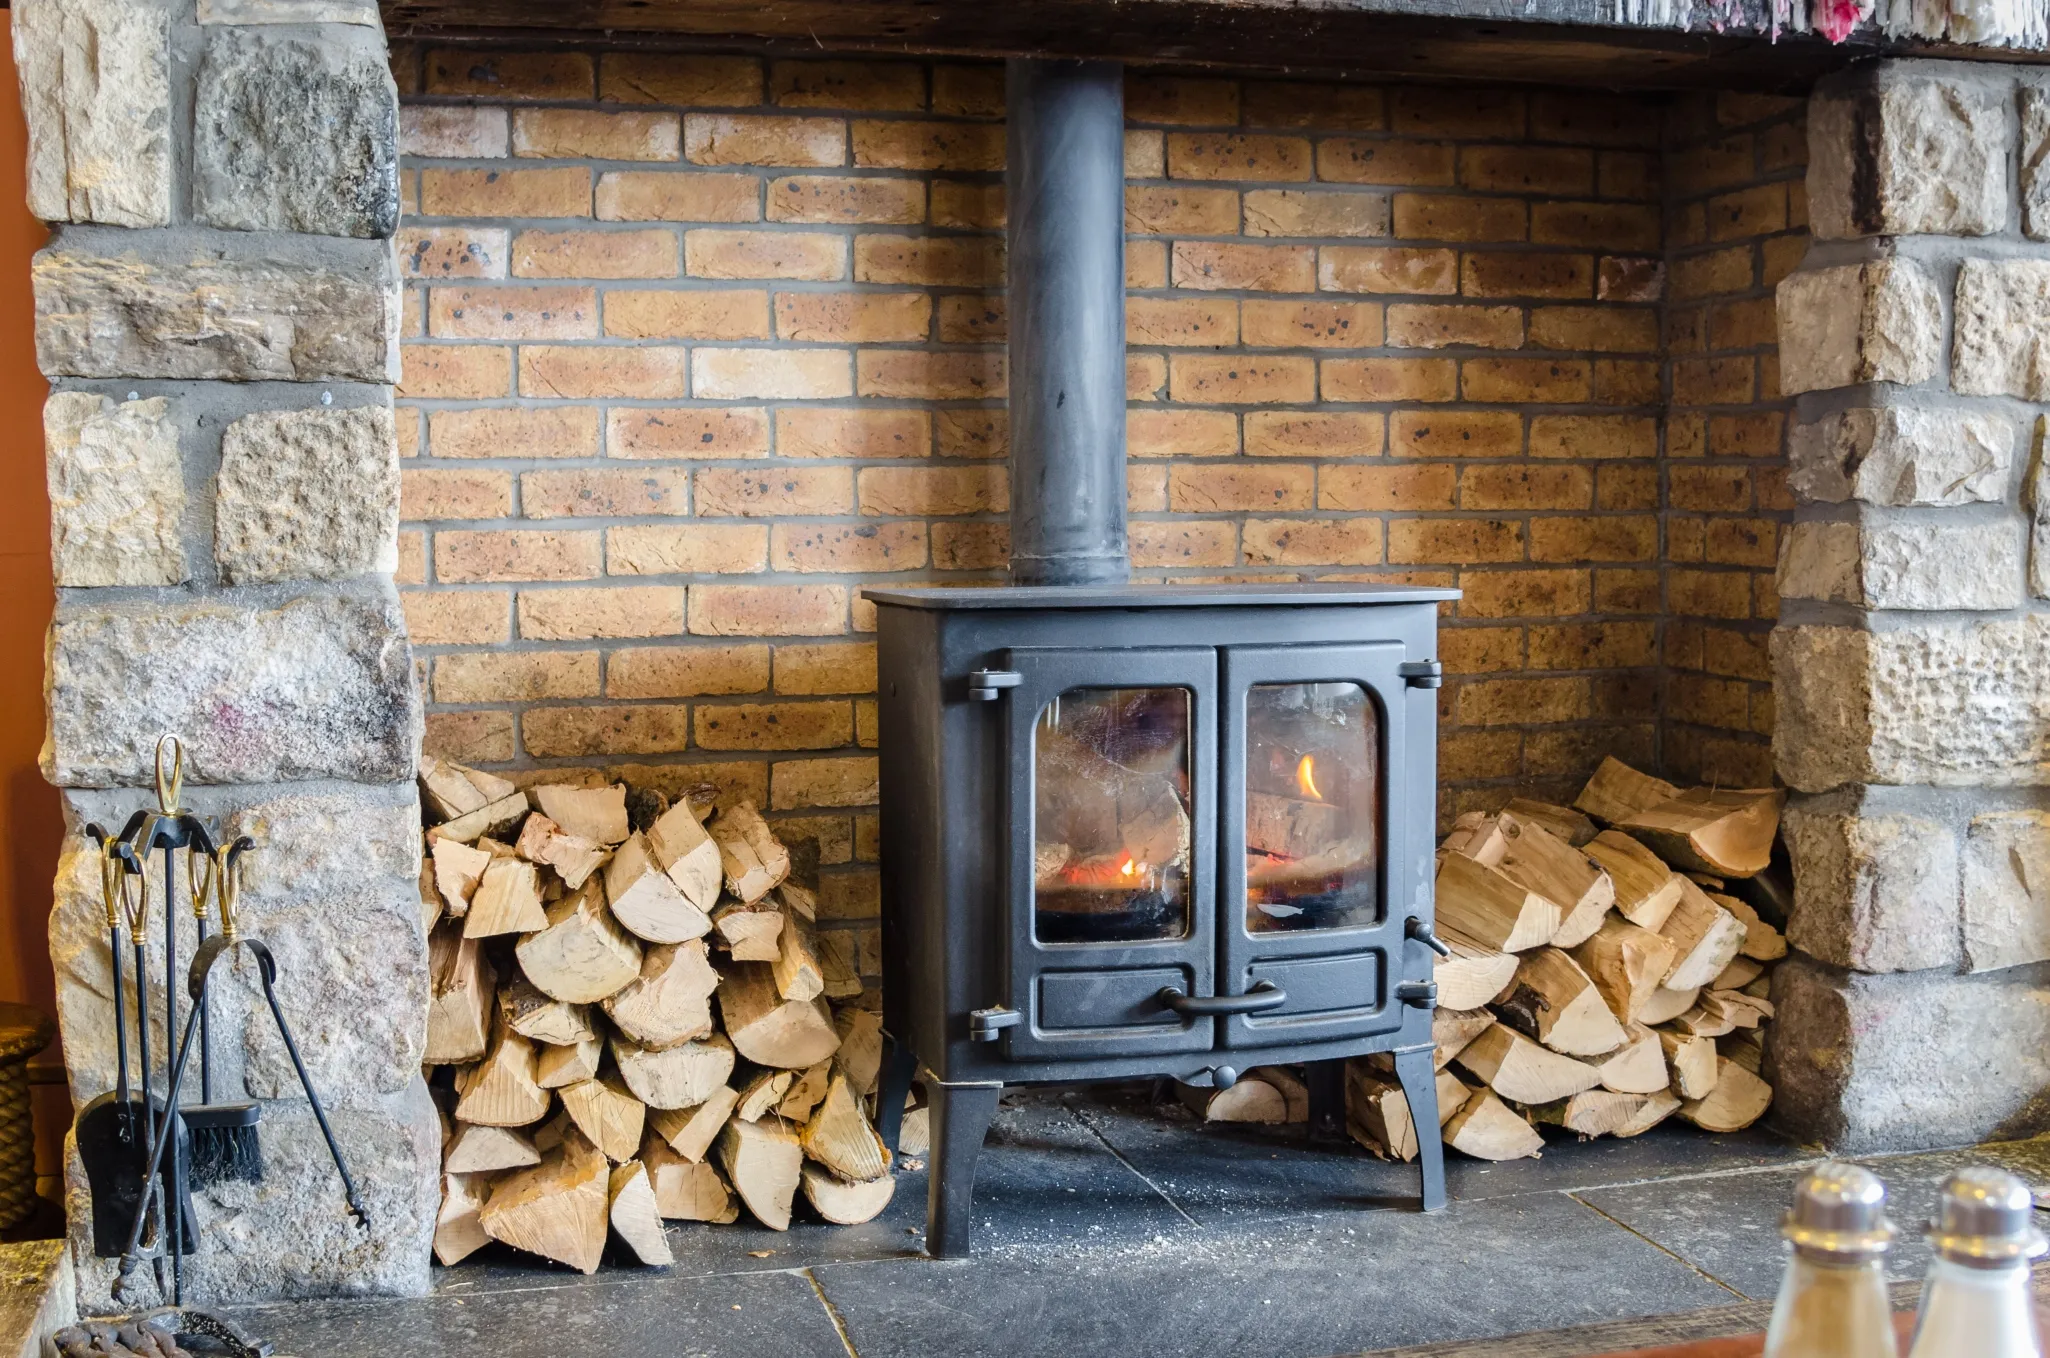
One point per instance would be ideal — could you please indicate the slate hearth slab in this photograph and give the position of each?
(1290, 1289)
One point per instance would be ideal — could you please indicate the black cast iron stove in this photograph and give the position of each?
(1179, 831)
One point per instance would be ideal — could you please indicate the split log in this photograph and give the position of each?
(431, 906)
(1646, 889)
(1475, 835)
(1746, 1047)
(844, 1203)
(557, 1209)
(682, 1076)
(560, 1067)
(1602, 1112)
(1666, 1005)
(534, 1015)
(1473, 974)
(1554, 869)
(837, 962)
(1717, 1012)
(495, 817)
(573, 857)
(796, 967)
(1480, 904)
(1639, 1067)
(1488, 1129)
(500, 1090)
(1563, 822)
(768, 1029)
(691, 1131)
(1554, 1001)
(914, 1135)
(687, 1190)
(1738, 1100)
(458, 1233)
(608, 1115)
(799, 901)
(1517, 1068)
(763, 1161)
(1740, 973)
(507, 900)
(750, 855)
(1728, 833)
(1705, 938)
(860, 1054)
(1377, 1113)
(1249, 1100)
(838, 1136)
(646, 901)
(671, 1000)
(1626, 964)
(594, 813)
(582, 956)
(1295, 1095)
(459, 1007)
(1692, 1061)
(472, 1148)
(634, 1214)
(458, 868)
(1762, 942)
(761, 1094)
(445, 791)
(751, 933)
(1617, 792)
(1291, 827)
(805, 1092)
(1452, 1029)
(688, 855)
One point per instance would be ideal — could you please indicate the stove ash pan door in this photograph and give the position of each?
(1316, 796)
(1112, 814)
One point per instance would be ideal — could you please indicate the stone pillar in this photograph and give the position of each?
(1912, 660)
(218, 314)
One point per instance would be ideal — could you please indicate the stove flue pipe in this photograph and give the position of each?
(1064, 182)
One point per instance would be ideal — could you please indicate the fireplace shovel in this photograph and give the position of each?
(227, 879)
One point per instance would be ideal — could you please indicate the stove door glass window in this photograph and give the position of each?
(1313, 813)
(1111, 825)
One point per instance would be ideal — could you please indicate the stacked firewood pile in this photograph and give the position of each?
(1605, 973)
(638, 1020)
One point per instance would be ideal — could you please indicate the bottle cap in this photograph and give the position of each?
(1838, 1210)
(1986, 1217)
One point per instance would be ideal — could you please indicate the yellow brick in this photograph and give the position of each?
(558, 731)
(842, 548)
(1316, 325)
(408, 429)
(868, 85)
(907, 145)
(1313, 542)
(959, 203)
(1749, 324)
(1516, 274)
(686, 671)
(468, 73)
(454, 371)
(1455, 433)
(1438, 216)
(970, 546)
(677, 196)
(976, 433)
(613, 611)
(477, 556)
(1356, 268)
(1623, 279)
(1527, 169)
(1414, 325)
(1370, 488)
(913, 375)
(1454, 541)
(1223, 487)
(1522, 702)
(802, 432)
(686, 549)
(801, 783)
(1709, 487)
(1170, 546)
(1715, 381)
(713, 253)
(1754, 435)
(515, 676)
(768, 610)
(679, 78)
(1523, 593)
(548, 432)
(1718, 271)
(838, 199)
(1709, 594)
(1608, 329)
(1755, 211)
(1624, 591)
(582, 492)
(514, 313)
(813, 670)
(1714, 165)
(1289, 103)
(433, 493)
(1618, 538)
(1742, 542)
(1782, 255)
(853, 317)
(1361, 160)
(765, 492)
(1225, 155)
(1478, 754)
(1145, 154)
(940, 261)
(1604, 226)
(1626, 174)
(1180, 209)
(705, 314)
(1332, 433)
(1181, 433)
(1626, 382)
(449, 617)
(1145, 377)
(770, 374)
(1590, 646)
(1262, 268)
(564, 191)
(1197, 321)
(915, 491)
(609, 370)
(1456, 111)
(1241, 379)
(594, 254)
(1145, 264)
(972, 319)
(756, 139)
(412, 568)
(1181, 99)
(643, 433)
(1307, 212)
(1526, 487)
(1590, 119)
(1556, 380)
(1390, 379)
(453, 251)
(574, 133)
(1623, 485)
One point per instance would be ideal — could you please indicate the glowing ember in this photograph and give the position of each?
(1306, 777)
(1128, 867)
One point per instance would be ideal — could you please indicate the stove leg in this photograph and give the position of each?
(1326, 1080)
(893, 1083)
(960, 1115)
(1420, 1088)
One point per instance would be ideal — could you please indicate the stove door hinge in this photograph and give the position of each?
(1422, 673)
(984, 1025)
(1421, 994)
(985, 685)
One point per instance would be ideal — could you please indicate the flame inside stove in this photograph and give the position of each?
(1306, 777)
(1128, 868)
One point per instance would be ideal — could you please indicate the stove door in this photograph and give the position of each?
(1315, 829)
(1112, 779)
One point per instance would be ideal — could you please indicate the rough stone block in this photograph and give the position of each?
(2002, 342)
(307, 495)
(292, 134)
(2035, 110)
(1900, 153)
(1908, 1061)
(117, 490)
(2007, 890)
(95, 84)
(216, 305)
(1880, 321)
(1874, 890)
(362, 12)
(1902, 456)
(319, 686)
(2036, 499)
(1922, 564)
(1947, 703)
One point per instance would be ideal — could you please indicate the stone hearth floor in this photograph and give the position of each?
(1109, 1226)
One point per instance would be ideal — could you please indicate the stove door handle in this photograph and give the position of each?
(1263, 996)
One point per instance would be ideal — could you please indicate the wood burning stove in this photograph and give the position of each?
(1166, 831)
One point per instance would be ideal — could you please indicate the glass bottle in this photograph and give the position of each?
(1832, 1301)
(1976, 1302)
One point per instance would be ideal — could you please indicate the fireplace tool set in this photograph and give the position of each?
(142, 1152)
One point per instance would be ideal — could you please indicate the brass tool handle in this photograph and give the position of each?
(171, 785)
